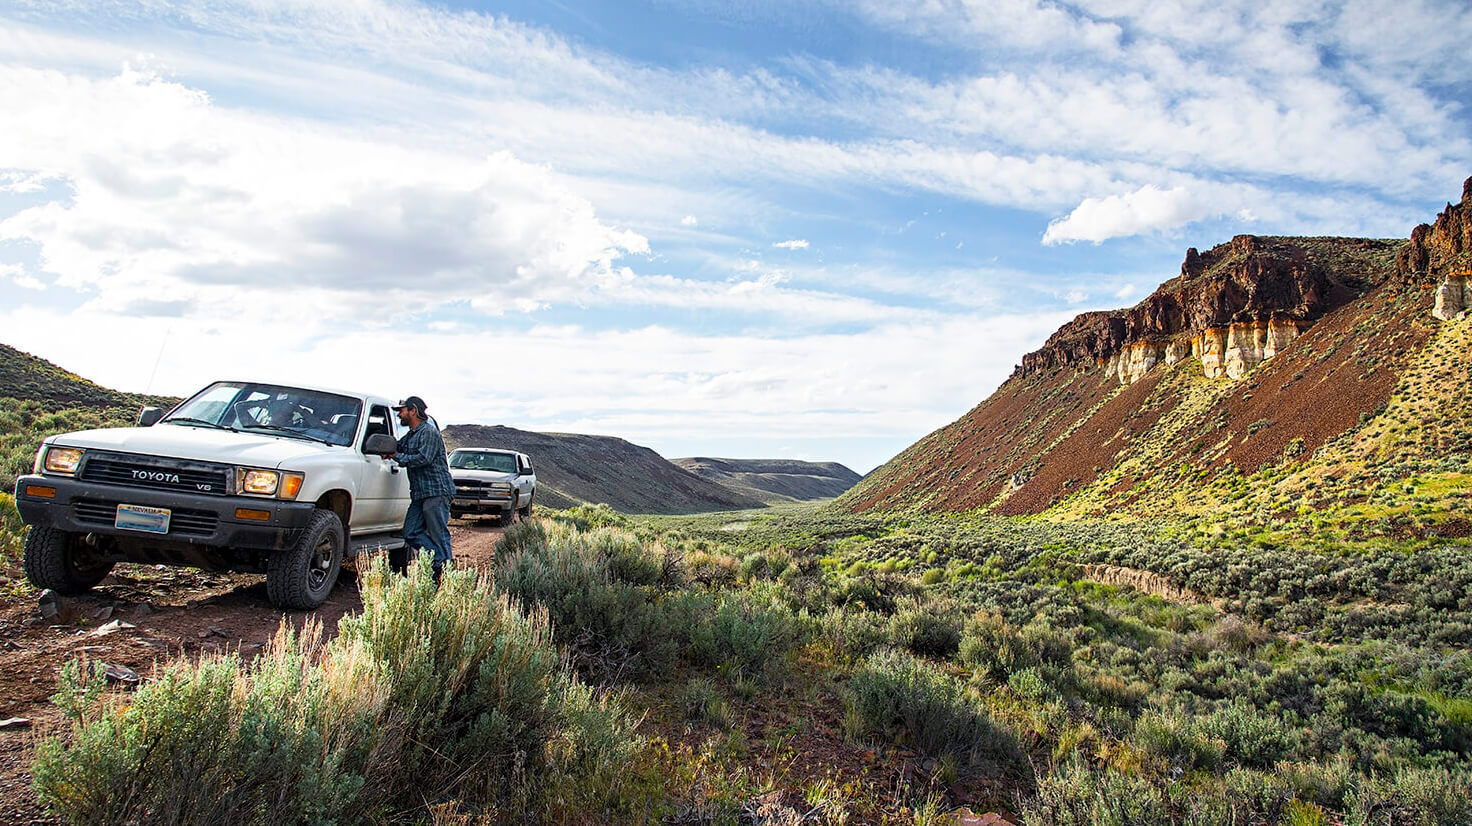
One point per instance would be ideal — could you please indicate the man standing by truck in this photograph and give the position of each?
(422, 452)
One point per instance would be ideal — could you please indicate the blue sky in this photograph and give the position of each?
(808, 228)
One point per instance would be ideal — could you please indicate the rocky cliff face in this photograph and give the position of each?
(1441, 254)
(1232, 307)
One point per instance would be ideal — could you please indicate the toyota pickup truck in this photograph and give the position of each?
(242, 476)
(490, 481)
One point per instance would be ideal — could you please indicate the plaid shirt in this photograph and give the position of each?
(422, 451)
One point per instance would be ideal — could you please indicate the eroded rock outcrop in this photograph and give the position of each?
(1232, 307)
(1441, 253)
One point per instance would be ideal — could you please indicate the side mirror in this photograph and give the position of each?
(380, 443)
(149, 416)
(525, 472)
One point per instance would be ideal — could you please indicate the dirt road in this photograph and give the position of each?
(172, 612)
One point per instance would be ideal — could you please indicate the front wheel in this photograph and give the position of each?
(58, 560)
(526, 510)
(303, 575)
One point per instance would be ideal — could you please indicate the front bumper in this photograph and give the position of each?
(195, 520)
(464, 504)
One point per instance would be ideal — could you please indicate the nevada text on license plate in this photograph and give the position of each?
(142, 518)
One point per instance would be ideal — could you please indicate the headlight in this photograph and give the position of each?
(258, 482)
(62, 460)
(255, 482)
(500, 486)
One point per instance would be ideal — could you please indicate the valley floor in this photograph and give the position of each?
(803, 665)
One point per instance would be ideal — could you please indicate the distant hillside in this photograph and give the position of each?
(574, 469)
(24, 376)
(1273, 377)
(774, 481)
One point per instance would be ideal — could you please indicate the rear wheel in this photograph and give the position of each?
(303, 575)
(58, 560)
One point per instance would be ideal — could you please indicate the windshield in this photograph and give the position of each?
(475, 460)
(291, 411)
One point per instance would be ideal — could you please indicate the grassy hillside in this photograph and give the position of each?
(774, 481)
(579, 469)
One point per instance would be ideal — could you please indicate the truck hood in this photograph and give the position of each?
(198, 443)
(482, 475)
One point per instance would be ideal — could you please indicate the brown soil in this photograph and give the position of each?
(175, 612)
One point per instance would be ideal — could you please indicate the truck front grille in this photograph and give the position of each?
(155, 473)
(480, 489)
(182, 522)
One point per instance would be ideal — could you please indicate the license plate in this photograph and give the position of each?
(142, 518)
(465, 502)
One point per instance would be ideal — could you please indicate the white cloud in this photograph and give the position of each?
(653, 385)
(17, 275)
(795, 244)
(689, 221)
(170, 194)
(1147, 209)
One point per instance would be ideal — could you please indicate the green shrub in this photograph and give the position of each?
(430, 694)
(1076, 796)
(924, 633)
(12, 530)
(854, 633)
(895, 696)
(1171, 739)
(995, 649)
(1250, 736)
(607, 625)
(729, 631)
(589, 517)
(284, 741)
(701, 703)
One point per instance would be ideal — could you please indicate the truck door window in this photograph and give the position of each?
(378, 422)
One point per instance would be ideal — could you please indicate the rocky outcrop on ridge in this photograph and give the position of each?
(1441, 254)
(1231, 307)
(1349, 360)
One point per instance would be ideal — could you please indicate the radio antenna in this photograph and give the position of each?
(148, 391)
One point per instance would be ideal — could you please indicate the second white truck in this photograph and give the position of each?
(491, 481)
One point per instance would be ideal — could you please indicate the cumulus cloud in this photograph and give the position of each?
(1147, 209)
(171, 194)
(689, 221)
(794, 244)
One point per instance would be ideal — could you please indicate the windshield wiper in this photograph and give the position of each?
(286, 431)
(187, 420)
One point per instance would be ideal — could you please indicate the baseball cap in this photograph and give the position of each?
(414, 402)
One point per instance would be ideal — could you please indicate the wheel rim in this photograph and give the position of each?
(321, 563)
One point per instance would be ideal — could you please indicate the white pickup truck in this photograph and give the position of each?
(242, 476)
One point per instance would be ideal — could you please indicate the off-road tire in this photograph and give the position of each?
(58, 560)
(526, 510)
(508, 516)
(302, 576)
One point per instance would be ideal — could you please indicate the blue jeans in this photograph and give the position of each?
(427, 525)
